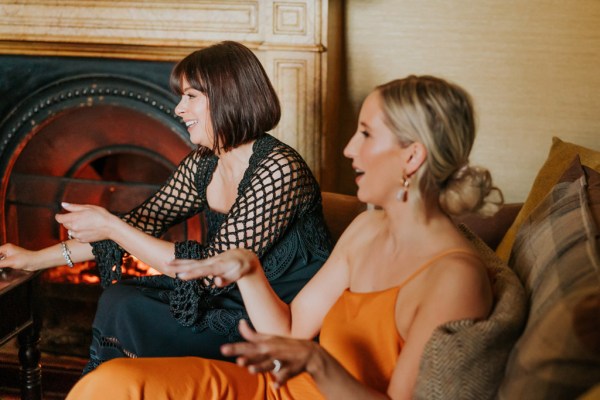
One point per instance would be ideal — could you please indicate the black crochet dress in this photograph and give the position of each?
(277, 214)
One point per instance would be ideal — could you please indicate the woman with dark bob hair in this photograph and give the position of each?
(256, 192)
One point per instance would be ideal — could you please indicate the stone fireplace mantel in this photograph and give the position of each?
(290, 38)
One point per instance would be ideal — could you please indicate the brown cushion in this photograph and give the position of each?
(555, 254)
(466, 359)
(491, 229)
(560, 156)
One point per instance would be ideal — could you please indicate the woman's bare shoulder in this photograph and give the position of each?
(461, 282)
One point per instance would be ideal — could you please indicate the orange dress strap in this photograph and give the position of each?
(432, 260)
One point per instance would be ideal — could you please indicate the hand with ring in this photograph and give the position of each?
(283, 357)
(86, 223)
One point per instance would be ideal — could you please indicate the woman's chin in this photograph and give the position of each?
(360, 195)
(200, 142)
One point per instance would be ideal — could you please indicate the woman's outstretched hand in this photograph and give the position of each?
(86, 223)
(224, 268)
(282, 357)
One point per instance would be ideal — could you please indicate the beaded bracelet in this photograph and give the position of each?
(66, 254)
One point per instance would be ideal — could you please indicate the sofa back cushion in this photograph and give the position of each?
(555, 254)
(466, 359)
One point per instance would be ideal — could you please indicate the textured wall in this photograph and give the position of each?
(532, 67)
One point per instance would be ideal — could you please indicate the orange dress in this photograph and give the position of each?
(359, 331)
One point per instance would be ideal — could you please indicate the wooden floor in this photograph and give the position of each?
(59, 374)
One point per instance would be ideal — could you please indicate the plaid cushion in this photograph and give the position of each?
(466, 359)
(556, 256)
(560, 156)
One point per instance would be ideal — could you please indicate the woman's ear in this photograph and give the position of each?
(417, 153)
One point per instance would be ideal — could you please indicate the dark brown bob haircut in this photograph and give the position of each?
(243, 104)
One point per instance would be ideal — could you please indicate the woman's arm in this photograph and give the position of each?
(176, 200)
(268, 313)
(137, 231)
(88, 223)
(12, 256)
(280, 189)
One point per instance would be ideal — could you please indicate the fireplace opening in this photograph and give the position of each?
(102, 140)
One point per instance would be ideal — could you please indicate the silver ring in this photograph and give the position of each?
(276, 366)
(70, 234)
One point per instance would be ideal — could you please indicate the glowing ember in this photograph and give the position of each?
(86, 272)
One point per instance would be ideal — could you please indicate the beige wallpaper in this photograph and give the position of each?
(532, 67)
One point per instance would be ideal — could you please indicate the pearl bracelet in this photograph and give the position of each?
(66, 254)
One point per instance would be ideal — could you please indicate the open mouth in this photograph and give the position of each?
(190, 123)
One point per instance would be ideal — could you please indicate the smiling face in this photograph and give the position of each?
(376, 153)
(193, 108)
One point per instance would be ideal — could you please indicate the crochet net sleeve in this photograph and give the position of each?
(173, 203)
(277, 191)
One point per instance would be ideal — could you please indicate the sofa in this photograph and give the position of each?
(542, 339)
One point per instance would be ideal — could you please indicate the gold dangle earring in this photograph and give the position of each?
(402, 194)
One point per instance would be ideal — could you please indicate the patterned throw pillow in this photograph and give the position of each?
(559, 157)
(556, 257)
(466, 359)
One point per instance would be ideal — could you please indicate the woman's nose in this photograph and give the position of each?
(179, 108)
(349, 149)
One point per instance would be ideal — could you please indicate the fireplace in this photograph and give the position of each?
(97, 137)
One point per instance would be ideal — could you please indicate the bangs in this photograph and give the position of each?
(187, 70)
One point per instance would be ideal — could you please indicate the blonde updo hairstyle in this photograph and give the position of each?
(440, 115)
